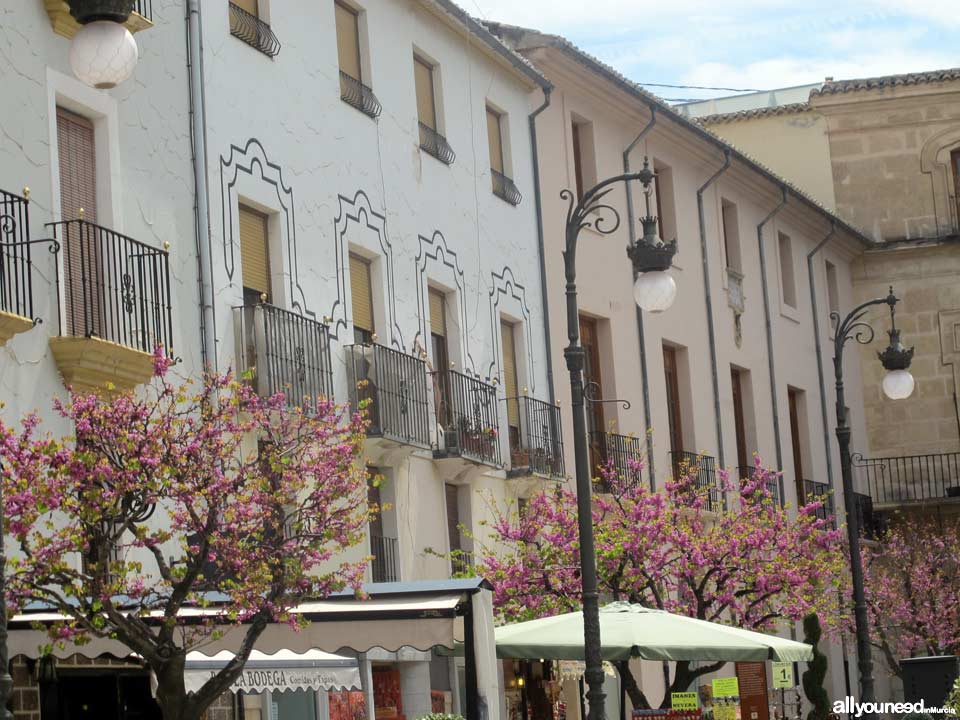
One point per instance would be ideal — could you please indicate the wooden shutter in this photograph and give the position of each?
(510, 384)
(591, 371)
(739, 421)
(496, 140)
(795, 442)
(577, 159)
(674, 418)
(348, 40)
(453, 516)
(438, 318)
(251, 6)
(78, 191)
(423, 79)
(361, 293)
(254, 252)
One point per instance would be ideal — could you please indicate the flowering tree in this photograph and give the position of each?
(749, 564)
(166, 496)
(912, 583)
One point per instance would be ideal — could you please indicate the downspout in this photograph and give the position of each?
(816, 338)
(769, 331)
(208, 329)
(538, 205)
(631, 227)
(708, 298)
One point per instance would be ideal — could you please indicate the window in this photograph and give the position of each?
(666, 209)
(361, 293)
(955, 164)
(731, 235)
(426, 98)
(383, 547)
(247, 24)
(584, 159)
(495, 138)
(674, 415)
(254, 256)
(511, 385)
(788, 282)
(460, 556)
(589, 339)
(833, 290)
(348, 41)
(441, 355)
(742, 419)
(796, 401)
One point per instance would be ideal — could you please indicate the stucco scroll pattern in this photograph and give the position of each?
(359, 211)
(250, 159)
(435, 253)
(504, 286)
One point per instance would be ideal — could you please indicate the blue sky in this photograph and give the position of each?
(759, 44)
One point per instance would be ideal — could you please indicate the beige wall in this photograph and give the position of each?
(890, 151)
(793, 145)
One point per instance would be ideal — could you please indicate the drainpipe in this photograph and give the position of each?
(208, 328)
(631, 227)
(769, 330)
(708, 298)
(538, 204)
(816, 338)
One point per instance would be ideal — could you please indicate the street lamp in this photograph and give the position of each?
(103, 53)
(654, 290)
(897, 385)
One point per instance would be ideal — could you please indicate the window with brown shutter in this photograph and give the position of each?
(426, 101)
(794, 399)
(453, 516)
(348, 40)
(254, 254)
(511, 386)
(577, 159)
(495, 138)
(76, 151)
(674, 417)
(441, 355)
(361, 293)
(739, 420)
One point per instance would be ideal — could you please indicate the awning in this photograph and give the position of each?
(284, 670)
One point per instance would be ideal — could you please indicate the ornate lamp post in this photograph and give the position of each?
(897, 385)
(654, 290)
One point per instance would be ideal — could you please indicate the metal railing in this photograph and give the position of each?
(909, 478)
(773, 483)
(817, 491)
(462, 563)
(436, 144)
(537, 445)
(253, 31)
(114, 287)
(355, 93)
(144, 8)
(621, 452)
(386, 558)
(466, 410)
(871, 523)
(504, 188)
(703, 470)
(283, 352)
(394, 385)
(16, 267)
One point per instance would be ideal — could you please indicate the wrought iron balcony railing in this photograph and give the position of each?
(817, 491)
(355, 93)
(462, 563)
(283, 352)
(871, 523)
(144, 8)
(536, 447)
(621, 453)
(773, 484)
(703, 470)
(386, 558)
(115, 288)
(909, 479)
(394, 385)
(253, 31)
(16, 264)
(466, 411)
(504, 188)
(436, 144)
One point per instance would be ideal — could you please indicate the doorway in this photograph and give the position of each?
(103, 697)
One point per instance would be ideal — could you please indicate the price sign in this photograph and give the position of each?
(683, 701)
(783, 675)
(726, 687)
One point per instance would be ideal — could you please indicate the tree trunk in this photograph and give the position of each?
(683, 676)
(172, 693)
(637, 698)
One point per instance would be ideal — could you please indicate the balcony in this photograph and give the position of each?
(386, 559)
(355, 93)
(115, 308)
(817, 491)
(909, 480)
(253, 31)
(283, 352)
(394, 385)
(536, 446)
(871, 523)
(504, 188)
(467, 414)
(462, 564)
(773, 482)
(621, 453)
(702, 469)
(64, 24)
(16, 266)
(433, 143)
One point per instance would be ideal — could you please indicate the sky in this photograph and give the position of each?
(748, 44)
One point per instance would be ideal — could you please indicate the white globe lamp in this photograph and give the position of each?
(654, 290)
(103, 54)
(898, 384)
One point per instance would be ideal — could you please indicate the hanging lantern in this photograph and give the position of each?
(654, 289)
(103, 53)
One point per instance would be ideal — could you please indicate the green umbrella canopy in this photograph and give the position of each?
(628, 631)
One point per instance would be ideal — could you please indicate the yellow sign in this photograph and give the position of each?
(783, 675)
(725, 711)
(683, 701)
(726, 687)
